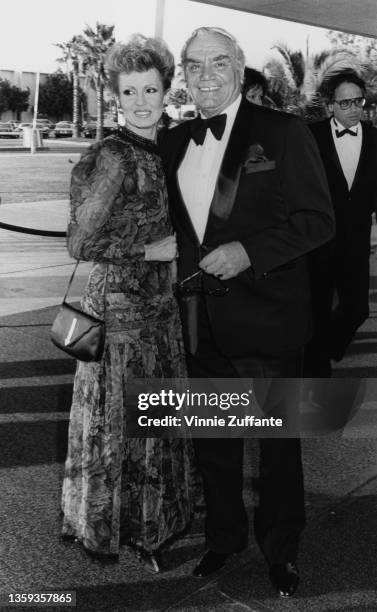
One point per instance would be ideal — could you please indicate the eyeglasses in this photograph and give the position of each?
(347, 103)
(204, 287)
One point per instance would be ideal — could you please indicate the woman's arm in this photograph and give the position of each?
(101, 177)
(96, 183)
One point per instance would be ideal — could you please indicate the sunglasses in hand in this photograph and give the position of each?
(202, 284)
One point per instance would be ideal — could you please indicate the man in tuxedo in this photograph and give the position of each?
(248, 200)
(339, 270)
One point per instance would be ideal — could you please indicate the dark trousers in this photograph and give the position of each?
(340, 296)
(280, 516)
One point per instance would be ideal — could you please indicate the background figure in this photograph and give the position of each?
(340, 269)
(248, 200)
(120, 490)
(255, 88)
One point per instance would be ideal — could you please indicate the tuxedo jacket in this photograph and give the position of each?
(272, 196)
(353, 207)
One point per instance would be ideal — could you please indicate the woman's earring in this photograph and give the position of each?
(120, 117)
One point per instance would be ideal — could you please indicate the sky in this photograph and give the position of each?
(29, 28)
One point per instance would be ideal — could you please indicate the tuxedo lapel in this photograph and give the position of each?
(330, 147)
(364, 154)
(230, 170)
(175, 150)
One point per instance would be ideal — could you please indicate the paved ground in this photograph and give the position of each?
(338, 558)
(48, 144)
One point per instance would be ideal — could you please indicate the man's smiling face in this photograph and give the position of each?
(212, 73)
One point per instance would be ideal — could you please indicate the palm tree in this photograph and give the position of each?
(70, 54)
(92, 48)
(298, 79)
(286, 74)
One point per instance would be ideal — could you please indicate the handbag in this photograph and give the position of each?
(77, 333)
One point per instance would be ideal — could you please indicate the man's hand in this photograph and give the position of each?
(226, 261)
(161, 250)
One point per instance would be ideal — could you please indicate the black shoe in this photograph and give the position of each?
(285, 578)
(103, 558)
(67, 538)
(150, 561)
(210, 563)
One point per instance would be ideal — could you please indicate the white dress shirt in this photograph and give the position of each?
(199, 170)
(348, 148)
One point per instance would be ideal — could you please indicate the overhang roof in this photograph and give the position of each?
(354, 16)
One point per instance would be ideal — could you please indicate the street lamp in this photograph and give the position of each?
(159, 21)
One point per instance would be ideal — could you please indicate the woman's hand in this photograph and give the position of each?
(161, 250)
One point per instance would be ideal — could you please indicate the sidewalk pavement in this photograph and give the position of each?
(337, 558)
(48, 146)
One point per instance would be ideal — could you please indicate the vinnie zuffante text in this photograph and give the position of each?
(192, 401)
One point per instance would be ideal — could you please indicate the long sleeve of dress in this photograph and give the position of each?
(99, 230)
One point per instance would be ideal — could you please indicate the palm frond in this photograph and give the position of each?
(297, 67)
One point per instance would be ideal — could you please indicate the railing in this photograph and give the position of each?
(29, 230)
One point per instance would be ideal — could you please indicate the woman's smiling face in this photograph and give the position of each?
(141, 97)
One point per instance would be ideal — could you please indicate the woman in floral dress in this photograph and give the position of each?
(118, 489)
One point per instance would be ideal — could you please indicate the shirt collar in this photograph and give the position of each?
(336, 125)
(230, 111)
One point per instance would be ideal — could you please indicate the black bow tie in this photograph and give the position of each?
(340, 133)
(199, 128)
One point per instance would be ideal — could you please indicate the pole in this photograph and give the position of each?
(159, 21)
(34, 129)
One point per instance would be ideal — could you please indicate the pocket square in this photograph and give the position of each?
(259, 166)
(256, 161)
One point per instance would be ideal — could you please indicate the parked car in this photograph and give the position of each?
(14, 124)
(189, 114)
(7, 131)
(63, 129)
(90, 129)
(43, 129)
(46, 122)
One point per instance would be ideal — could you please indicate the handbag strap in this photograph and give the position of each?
(104, 288)
(71, 280)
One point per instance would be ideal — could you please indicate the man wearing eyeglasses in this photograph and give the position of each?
(340, 269)
(249, 200)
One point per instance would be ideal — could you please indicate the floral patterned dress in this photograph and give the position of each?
(118, 489)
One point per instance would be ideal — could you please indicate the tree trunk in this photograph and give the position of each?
(99, 134)
(76, 119)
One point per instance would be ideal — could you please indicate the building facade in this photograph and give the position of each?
(23, 80)
(27, 80)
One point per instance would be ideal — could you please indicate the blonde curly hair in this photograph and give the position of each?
(140, 54)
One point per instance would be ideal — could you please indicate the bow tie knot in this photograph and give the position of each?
(340, 133)
(199, 128)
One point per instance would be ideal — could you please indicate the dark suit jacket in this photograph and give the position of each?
(274, 201)
(353, 208)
